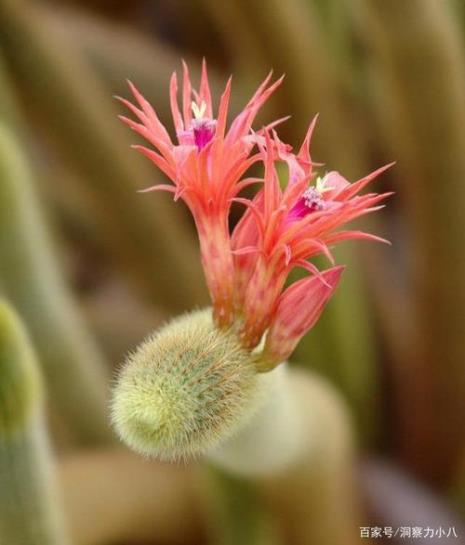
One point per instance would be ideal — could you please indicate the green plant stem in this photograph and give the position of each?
(299, 448)
(237, 512)
(29, 509)
(139, 229)
(28, 503)
(418, 81)
(72, 364)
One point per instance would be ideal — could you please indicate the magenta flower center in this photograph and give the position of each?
(313, 200)
(203, 130)
(310, 201)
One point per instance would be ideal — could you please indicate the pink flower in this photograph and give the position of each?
(206, 165)
(281, 230)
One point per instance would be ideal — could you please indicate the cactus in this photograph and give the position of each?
(29, 513)
(29, 276)
(191, 389)
(185, 388)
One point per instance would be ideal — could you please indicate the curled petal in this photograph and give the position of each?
(351, 235)
(271, 188)
(177, 119)
(204, 90)
(223, 109)
(274, 124)
(150, 136)
(246, 182)
(255, 213)
(356, 187)
(287, 253)
(304, 152)
(246, 250)
(159, 187)
(243, 122)
(186, 95)
(335, 183)
(311, 268)
(153, 122)
(156, 158)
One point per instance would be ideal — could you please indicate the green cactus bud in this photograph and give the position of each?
(185, 389)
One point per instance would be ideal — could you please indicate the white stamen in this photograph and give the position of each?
(320, 185)
(199, 112)
(312, 198)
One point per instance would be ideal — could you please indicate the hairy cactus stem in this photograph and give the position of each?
(191, 386)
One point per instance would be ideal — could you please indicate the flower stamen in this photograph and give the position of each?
(313, 200)
(199, 111)
(202, 128)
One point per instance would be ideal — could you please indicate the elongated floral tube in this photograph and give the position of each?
(72, 363)
(29, 511)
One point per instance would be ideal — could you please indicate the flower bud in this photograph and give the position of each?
(185, 389)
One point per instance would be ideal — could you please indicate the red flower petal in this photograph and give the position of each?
(299, 308)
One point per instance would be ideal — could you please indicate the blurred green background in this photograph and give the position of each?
(92, 266)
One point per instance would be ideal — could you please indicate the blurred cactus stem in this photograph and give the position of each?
(149, 238)
(417, 82)
(235, 511)
(29, 513)
(72, 364)
(192, 389)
